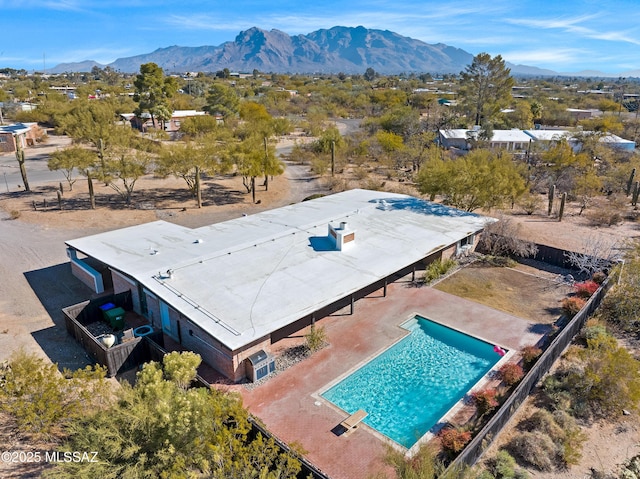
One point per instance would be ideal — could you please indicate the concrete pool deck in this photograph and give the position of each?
(290, 407)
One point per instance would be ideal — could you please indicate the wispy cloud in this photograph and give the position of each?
(573, 26)
(58, 5)
(546, 56)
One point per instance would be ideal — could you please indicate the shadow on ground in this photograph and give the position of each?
(45, 198)
(57, 288)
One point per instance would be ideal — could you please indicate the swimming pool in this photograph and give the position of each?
(409, 387)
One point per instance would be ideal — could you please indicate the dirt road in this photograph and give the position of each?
(36, 282)
(35, 278)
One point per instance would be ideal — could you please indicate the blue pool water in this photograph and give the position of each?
(409, 387)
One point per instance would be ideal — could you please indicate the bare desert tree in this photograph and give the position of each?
(501, 238)
(596, 254)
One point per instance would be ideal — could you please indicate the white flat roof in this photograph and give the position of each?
(245, 278)
(508, 136)
(549, 135)
(503, 136)
(455, 133)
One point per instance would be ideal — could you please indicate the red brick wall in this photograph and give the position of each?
(9, 144)
(214, 353)
(121, 284)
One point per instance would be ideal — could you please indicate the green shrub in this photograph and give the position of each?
(543, 421)
(594, 331)
(621, 305)
(572, 444)
(631, 468)
(42, 400)
(15, 214)
(535, 449)
(511, 373)
(555, 387)
(601, 380)
(317, 338)
(598, 277)
(529, 202)
(503, 466)
(610, 381)
(438, 268)
(423, 465)
(561, 429)
(485, 474)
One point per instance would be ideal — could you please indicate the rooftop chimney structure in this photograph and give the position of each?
(341, 236)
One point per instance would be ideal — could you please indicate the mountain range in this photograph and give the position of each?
(338, 49)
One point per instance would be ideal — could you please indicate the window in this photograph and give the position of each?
(468, 241)
(465, 245)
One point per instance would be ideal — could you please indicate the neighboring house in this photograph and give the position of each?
(19, 135)
(291, 93)
(454, 138)
(614, 141)
(511, 140)
(231, 290)
(144, 122)
(519, 140)
(609, 139)
(578, 114)
(26, 106)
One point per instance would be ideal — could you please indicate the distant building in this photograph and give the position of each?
(144, 122)
(19, 135)
(578, 114)
(519, 140)
(573, 138)
(462, 138)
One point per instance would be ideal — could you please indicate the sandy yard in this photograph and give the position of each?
(36, 281)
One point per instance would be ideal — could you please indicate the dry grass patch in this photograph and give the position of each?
(524, 295)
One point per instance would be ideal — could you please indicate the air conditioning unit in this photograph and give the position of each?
(260, 365)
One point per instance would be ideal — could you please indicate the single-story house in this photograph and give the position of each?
(512, 140)
(519, 140)
(144, 121)
(609, 139)
(19, 135)
(580, 114)
(230, 290)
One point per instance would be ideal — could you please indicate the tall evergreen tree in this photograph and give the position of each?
(485, 87)
(153, 89)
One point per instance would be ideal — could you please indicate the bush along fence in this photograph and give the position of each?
(156, 351)
(477, 446)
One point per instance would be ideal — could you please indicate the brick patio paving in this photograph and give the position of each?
(290, 407)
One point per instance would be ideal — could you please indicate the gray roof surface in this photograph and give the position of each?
(245, 278)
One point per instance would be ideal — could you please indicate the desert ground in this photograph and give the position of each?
(36, 279)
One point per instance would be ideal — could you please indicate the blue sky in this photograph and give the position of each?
(564, 35)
